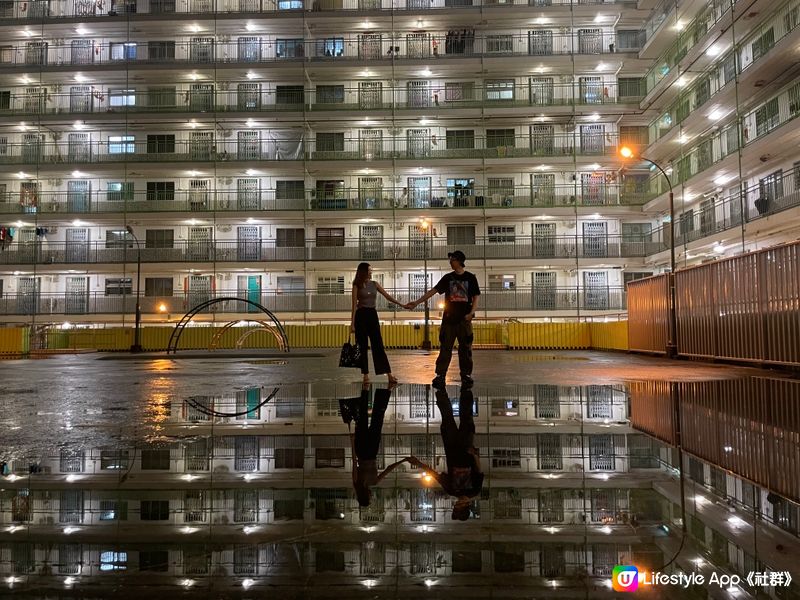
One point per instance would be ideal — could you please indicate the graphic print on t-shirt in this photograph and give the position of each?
(459, 291)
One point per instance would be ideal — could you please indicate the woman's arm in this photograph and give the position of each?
(354, 304)
(354, 457)
(390, 468)
(386, 294)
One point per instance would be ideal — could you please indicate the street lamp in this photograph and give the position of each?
(424, 225)
(137, 344)
(672, 343)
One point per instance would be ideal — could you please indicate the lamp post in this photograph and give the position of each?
(137, 345)
(426, 339)
(672, 342)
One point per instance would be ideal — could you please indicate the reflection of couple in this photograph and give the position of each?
(463, 477)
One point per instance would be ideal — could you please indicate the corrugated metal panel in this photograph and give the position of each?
(549, 336)
(609, 336)
(653, 409)
(648, 314)
(14, 340)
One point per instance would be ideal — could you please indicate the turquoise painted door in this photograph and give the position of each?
(250, 288)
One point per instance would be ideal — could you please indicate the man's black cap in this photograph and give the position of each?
(458, 255)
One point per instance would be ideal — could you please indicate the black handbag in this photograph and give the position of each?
(350, 356)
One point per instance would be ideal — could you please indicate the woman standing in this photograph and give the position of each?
(364, 322)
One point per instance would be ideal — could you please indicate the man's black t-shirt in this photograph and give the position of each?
(459, 290)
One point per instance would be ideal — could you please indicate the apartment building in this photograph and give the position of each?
(261, 149)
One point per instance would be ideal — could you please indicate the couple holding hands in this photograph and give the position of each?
(461, 291)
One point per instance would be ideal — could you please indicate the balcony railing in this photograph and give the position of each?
(362, 48)
(42, 10)
(344, 199)
(351, 250)
(272, 148)
(546, 299)
(715, 79)
(538, 92)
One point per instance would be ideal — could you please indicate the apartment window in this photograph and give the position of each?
(71, 461)
(499, 44)
(159, 51)
(503, 282)
(329, 458)
(121, 144)
(113, 510)
(502, 234)
(161, 97)
(5, 100)
(500, 189)
(118, 286)
(113, 561)
(159, 238)
(330, 285)
(460, 138)
(500, 90)
(160, 143)
(123, 50)
(459, 91)
(121, 97)
(290, 190)
(289, 48)
(500, 137)
(155, 459)
(330, 47)
(629, 40)
(289, 458)
(118, 238)
(767, 117)
(119, 191)
(154, 510)
(289, 94)
(114, 459)
(154, 560)
(330, 142)
(328, 237)
(160, 191)
(763, 44)
(158, 286)
(330, 94)
(290, 238)
(461, 235)
(630, 87)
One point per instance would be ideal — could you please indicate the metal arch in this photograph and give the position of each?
(177, 332)
(215, 413)
(264, 326)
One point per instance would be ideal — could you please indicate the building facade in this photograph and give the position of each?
(262, 149)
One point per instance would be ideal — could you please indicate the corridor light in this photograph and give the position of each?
(70, 530)
(187, 583)
(713, 50)
(247, 584)
(429, 582)
(69, 582)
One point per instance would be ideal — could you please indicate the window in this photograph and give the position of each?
(160, 143)
(630, 87)
(5, 100)
(763, 43)
(154, 510)
(502, 234)
(118, 239)
(289, 94)
(503, 282)
(330, 94)
(290, 190)
(159, 238)
(121, 144)
(121, 97)
(328, 237)
(155, 459)
(461, 235)
(499, 137)
(500, 190)
(330, 142)
(71, 461)
(160, 191)
(460, 138)
(157, 51)
(500, 90)
(119, 286)
(114, 459)
(119, 191)
(158, 286)
(499, 44)
(329, 458)
(113, 561)
(290, 238)
(767, 117)
(161, 97)
(123, 51)
(289, 458)
(153, 560)
(289, 48)
(330, 285)
(330, 47)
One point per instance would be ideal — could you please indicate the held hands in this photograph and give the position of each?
(409, 305)
(469, 316)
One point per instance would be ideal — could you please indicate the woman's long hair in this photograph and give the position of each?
(362, 274)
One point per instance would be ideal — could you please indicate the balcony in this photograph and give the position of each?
(547, 299)
(350, 250)
(344, 199)
(14, 11)
(538, 92)
(280, 146)
(359, 49)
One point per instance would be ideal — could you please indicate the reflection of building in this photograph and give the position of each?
(266, 499)
(246, 146)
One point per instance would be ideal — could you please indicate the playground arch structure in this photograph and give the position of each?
(271, 324)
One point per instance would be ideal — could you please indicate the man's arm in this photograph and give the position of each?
(429, 294)
(471, 314)
(354, 458)
(390, 468)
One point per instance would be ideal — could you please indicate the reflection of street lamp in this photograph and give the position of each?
(672, 342)
(425, 226)
(137, 345)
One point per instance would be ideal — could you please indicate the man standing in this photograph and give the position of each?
(461, 291)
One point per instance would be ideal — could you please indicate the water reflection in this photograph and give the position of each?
(318, 489)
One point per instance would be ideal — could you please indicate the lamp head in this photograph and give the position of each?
(129, 229)
(423, 224)
(626, 152)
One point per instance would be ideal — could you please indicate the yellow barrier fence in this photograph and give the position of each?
(513, 336)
